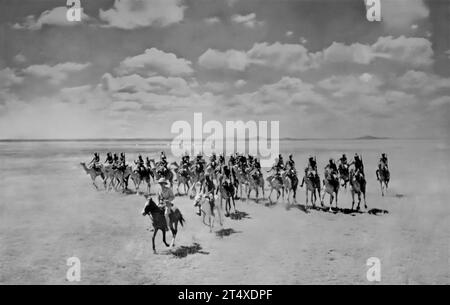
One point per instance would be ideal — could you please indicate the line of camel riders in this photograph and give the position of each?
(249, 165)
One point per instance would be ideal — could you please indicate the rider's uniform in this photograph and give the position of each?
(165, 197)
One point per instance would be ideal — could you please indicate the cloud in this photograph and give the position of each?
(230, 59)
(289, 33)
(131, 14)
(57, 73)
(154, 61)
(157, 84)
(422, 82)
(409, 51)
(289, 57)
(9, 78)
(401, 14)
(240, 83)
(212, 20)
(20, 58)
(246, 20)
(346, 85)
(56, 17)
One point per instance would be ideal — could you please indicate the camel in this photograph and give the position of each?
(290, 183)
(156, 168)
(255, 181)
(331, 186)
(383, 176)
(275, 184)
(312, 184)
(241, 180)
(141, 176)
(344, 175)
(94, 173)
(159, 221)
(183, 177)
(227, 192)
(207, 207)
(358, 186)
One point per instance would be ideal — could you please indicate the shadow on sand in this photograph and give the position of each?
(184, 251)
(226, 232)
(239, 215)
(334, 210)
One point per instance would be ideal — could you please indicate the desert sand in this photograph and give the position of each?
(49, 212)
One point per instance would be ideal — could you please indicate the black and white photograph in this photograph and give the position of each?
(204, 143)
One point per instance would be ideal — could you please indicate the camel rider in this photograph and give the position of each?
(147, 162)
(165, 198)
(383, 160)
(383, 163)
(213, 161)
(290, 163)
(140, 164)
(122, 162)
(310, 168)
(280, 164)
(208, 189)
(115, 158)
(359, 166)
(343, 160)
(231, 161)
(109, 159)
(312, 164)
(331, 167)
(95, 161)
(256, 164)
(163, 159)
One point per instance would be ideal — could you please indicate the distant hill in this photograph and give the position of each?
(371, 138)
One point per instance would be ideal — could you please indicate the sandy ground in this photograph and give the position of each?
(49, 212)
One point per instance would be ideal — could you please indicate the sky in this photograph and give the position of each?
(131, 68)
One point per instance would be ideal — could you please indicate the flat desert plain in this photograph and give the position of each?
(49, 212)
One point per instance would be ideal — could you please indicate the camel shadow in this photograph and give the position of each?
(239, 215)
(377, 212)
(226, 232)
(184, 251)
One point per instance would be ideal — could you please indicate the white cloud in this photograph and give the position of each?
(56, 16)
(247, 20)
(157, 84)
(212, 20)
(230, 59)
(240, 83)
(423, 82)
(345, 85)
(131, 14)
(153, 61)
(401, 14)
(409, 51)
(57, 73)
(8, 78)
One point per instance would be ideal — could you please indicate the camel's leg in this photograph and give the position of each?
(234, 204)
(331, 200)
(153, 240)
(270, 194)
(336, 199)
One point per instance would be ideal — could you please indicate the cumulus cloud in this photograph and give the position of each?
(401, 14)
(351, 84)
(131, 14)
(8, 77)
(423, 82)
(157, 84)
(56, 17)
(246, 20)
(55, 74)
(154, 61)
(410, 51)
